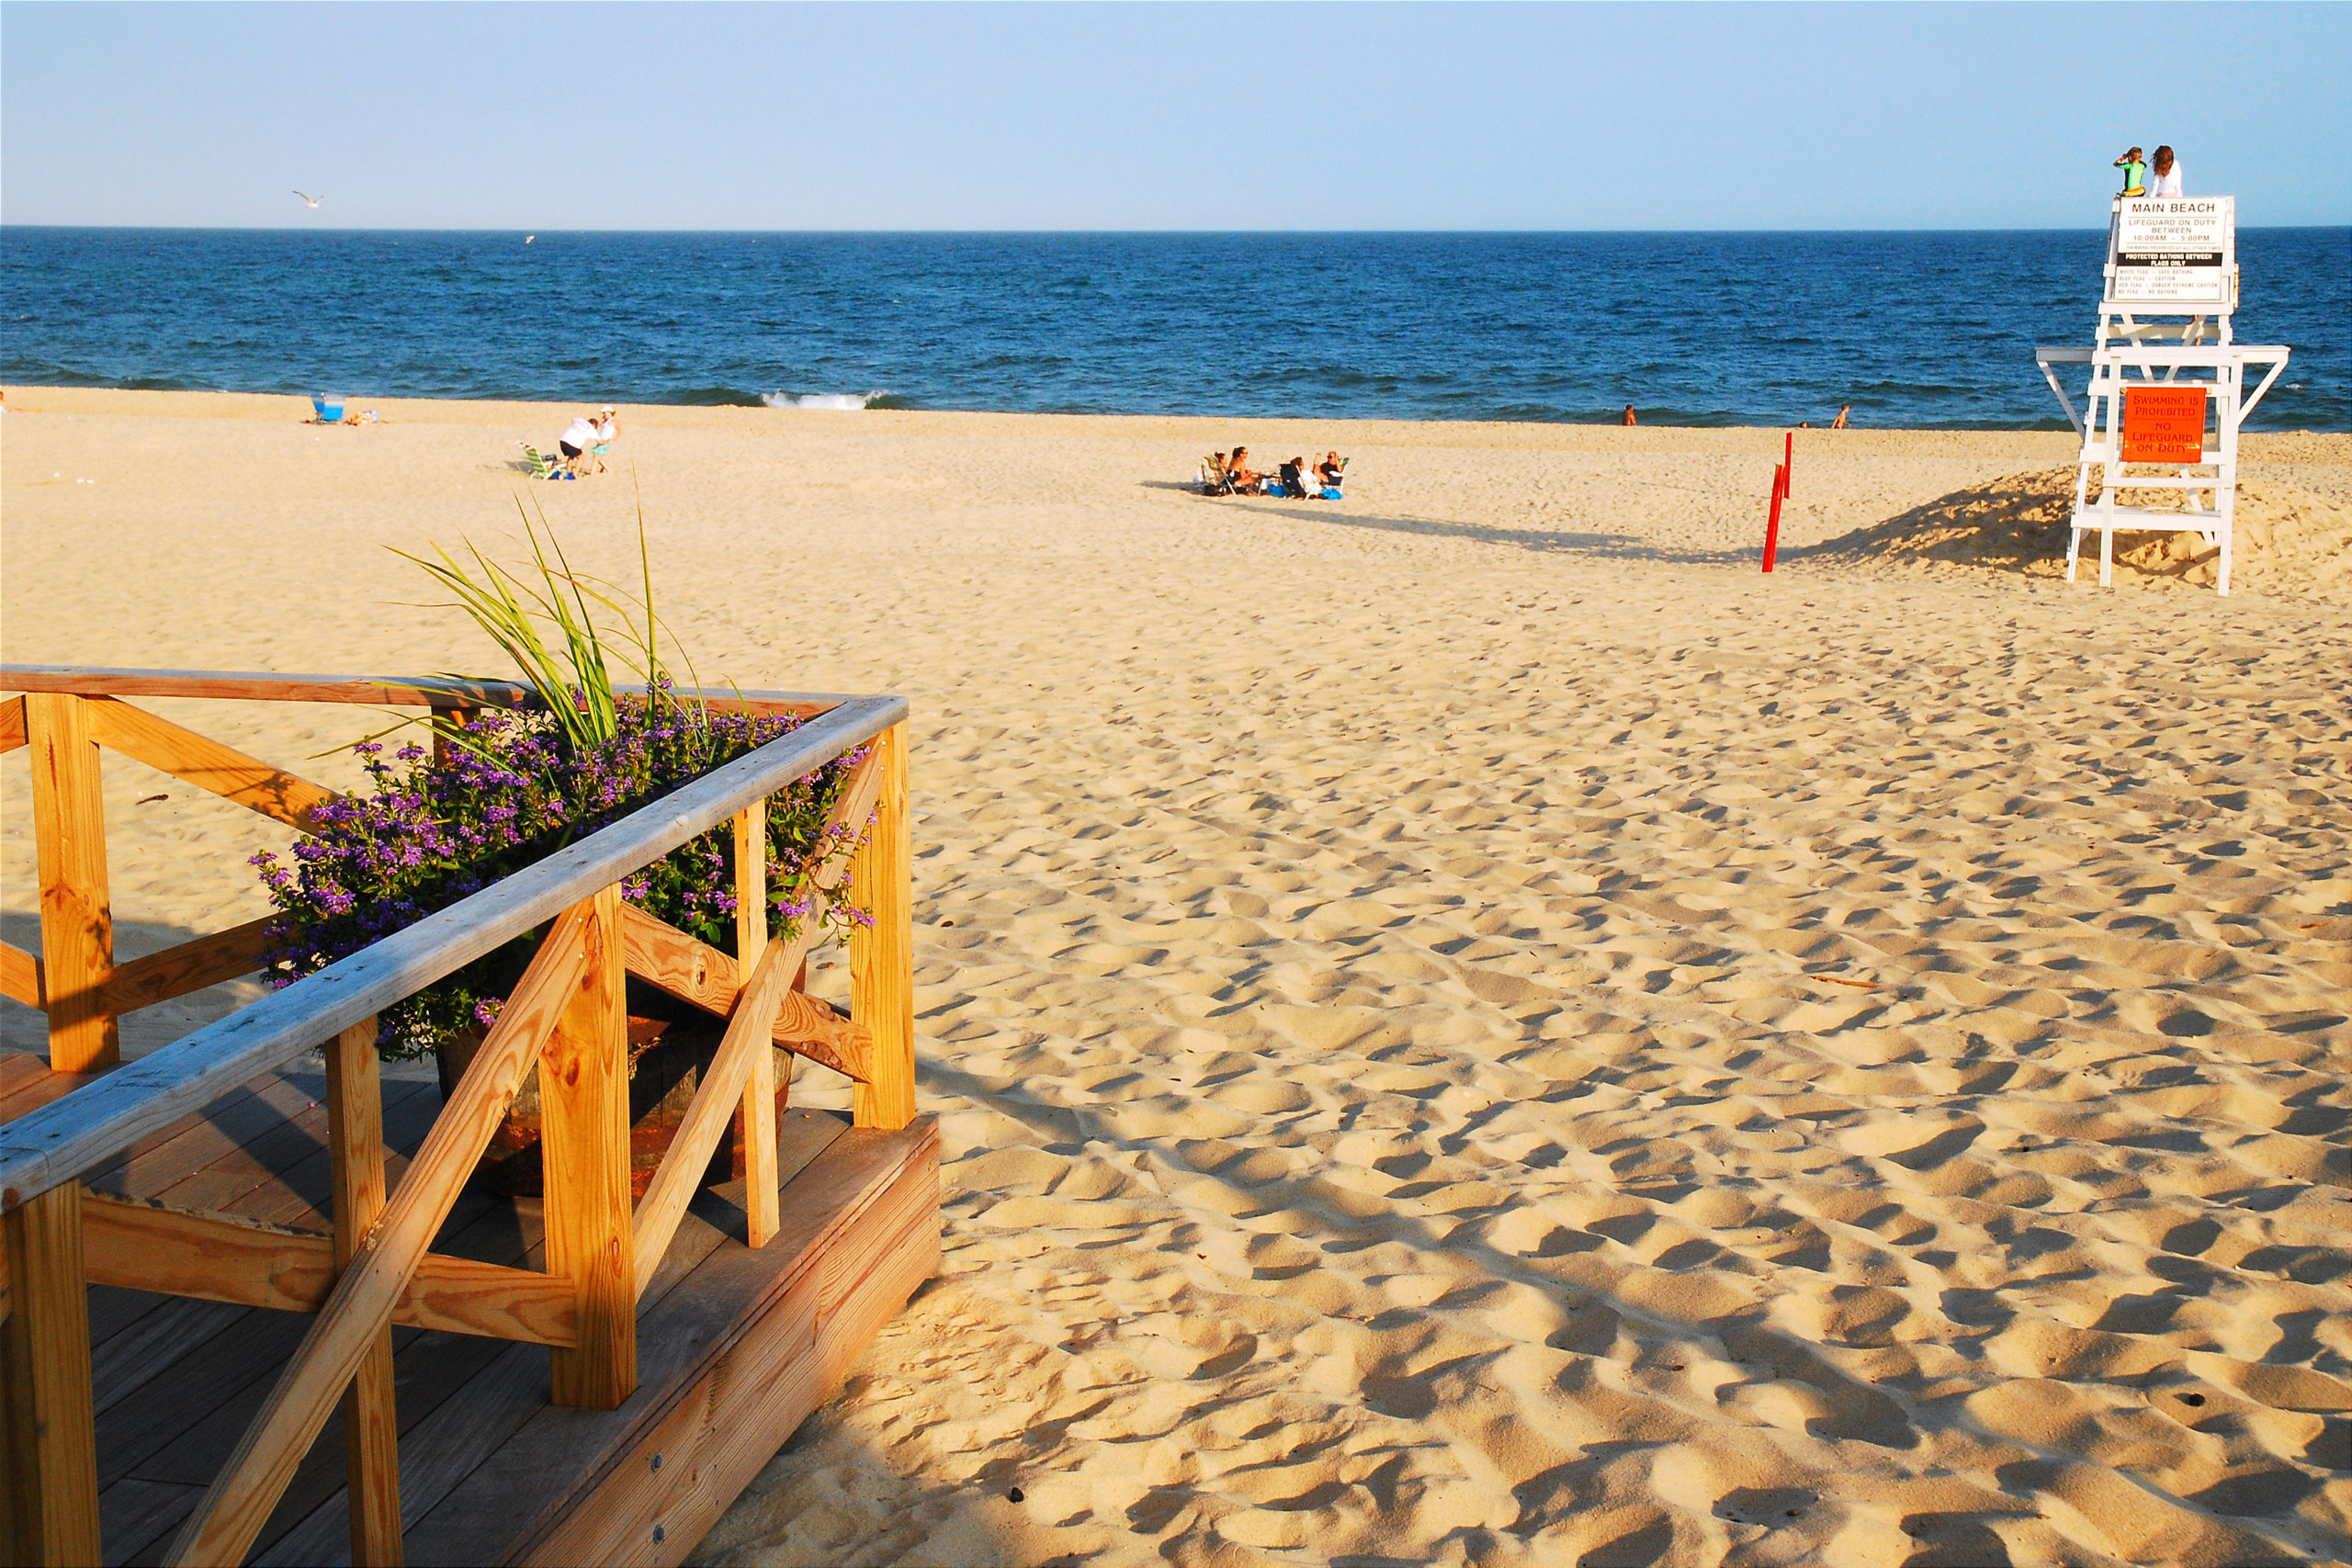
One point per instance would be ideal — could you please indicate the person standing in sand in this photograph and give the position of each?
(577, 439)
(2167, 169)
(1629, 415)
(608, 426)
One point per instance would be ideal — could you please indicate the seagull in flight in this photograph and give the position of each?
(309, 200)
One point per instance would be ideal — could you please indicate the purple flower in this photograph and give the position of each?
(426, 836)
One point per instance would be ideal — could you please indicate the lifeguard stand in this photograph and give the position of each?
(2168, 383)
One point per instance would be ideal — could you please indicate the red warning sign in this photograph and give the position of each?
(2164, 424)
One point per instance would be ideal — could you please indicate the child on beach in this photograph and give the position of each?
(2167, 172)
(2135, 172)
(608, 426)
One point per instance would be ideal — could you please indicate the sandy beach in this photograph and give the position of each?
(1469, 1025)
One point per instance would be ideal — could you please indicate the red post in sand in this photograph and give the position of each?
(1788, 462)
(1772, 527)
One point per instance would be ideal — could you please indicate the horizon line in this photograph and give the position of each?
(524, 227)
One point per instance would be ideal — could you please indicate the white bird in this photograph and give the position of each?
(309, 200)
(528, 238)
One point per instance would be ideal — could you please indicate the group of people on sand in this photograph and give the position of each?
(582, 446)
(1224, 475)
(2166, 168)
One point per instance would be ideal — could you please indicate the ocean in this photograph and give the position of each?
(1913, 328)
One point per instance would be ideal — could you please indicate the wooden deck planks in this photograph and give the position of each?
(438, 1453)
(563, 1458)
(782, 1354)
(177, 1381)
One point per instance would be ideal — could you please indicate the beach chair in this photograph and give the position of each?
(1215, 480)
(542, 466)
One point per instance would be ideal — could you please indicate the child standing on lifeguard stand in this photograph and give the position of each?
(2135, 174)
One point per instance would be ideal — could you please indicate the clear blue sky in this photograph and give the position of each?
(911, 115)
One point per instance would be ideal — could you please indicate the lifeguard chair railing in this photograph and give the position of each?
(565, 1016)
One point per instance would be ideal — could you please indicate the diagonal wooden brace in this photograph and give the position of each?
(205, 763)
(700, 975)
(234, 1510)
(713, 1110)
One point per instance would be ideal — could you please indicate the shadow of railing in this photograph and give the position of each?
(24, 1028)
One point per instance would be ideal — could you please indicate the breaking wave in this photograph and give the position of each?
(822, 400)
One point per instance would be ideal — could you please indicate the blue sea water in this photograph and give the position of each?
(1918, 330)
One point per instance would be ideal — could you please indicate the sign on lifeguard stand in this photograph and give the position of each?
(2167, 384)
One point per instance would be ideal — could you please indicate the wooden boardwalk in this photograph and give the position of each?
(735, 1347)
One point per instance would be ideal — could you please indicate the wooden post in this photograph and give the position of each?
(882, 956)
(755, 1123)
(51, 1448)
(584, 1142)
(441, 747)
(77, 923)
(371, 1429)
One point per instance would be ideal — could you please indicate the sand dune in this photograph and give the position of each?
(2286, 539)
(1470, 1026)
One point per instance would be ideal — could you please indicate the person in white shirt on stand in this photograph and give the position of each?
(2166, 169)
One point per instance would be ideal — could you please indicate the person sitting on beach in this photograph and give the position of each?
(2135, 174)
(2167, 169)
(1843, 409)
(1331, 471)
(1295, 476)
(1246, 480)
(577, 439)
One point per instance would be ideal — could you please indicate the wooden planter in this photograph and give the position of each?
(670, 1047)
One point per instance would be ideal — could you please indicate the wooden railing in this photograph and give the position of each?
(565, 1016)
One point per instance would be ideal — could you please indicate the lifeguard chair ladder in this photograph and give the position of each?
(2164, 322)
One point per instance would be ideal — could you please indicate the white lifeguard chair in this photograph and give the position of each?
(2167, 384)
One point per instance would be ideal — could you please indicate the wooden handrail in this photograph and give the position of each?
(411, 691)
(365, 1293)
(47, 1147)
